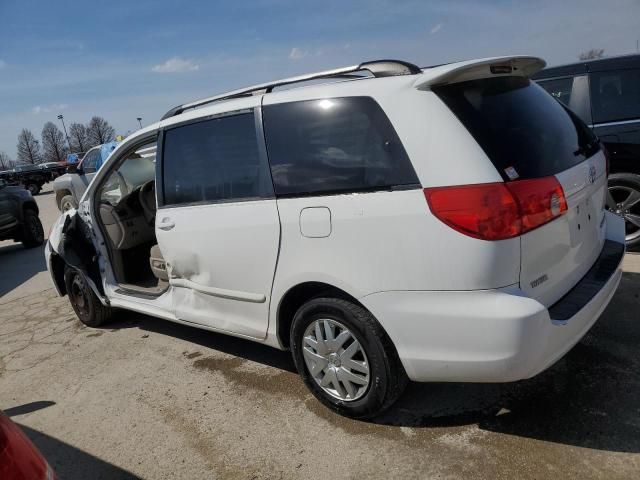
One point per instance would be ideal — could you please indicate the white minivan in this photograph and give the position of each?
(384, 222)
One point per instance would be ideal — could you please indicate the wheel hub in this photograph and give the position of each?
(627, 205)
(336, 360)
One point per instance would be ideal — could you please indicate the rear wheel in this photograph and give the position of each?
(625, 191)
(67, 203)
(32, 231)
(345, 358)
(33, 188)
(84, 301)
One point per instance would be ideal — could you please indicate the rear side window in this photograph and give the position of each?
(559, 88)
(334, 145)
(522, 129)
(615, 95)
(213, 161)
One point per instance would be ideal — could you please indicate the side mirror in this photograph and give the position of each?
(73, 168)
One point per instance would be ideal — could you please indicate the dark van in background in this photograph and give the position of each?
(605, 93)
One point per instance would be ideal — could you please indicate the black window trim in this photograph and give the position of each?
(262, 152)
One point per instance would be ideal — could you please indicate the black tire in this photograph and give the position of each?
(84, 301)
(387, 378)
(621, 186)
(32, 231)
(67, 202)
(33, 188)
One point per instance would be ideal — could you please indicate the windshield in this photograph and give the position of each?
(524, 131)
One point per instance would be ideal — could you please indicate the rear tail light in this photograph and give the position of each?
(496, 211)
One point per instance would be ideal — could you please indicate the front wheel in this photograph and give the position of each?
(625, 192)
(345, 358)
(84, 301)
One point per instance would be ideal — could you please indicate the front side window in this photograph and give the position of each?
(334, 145)
(126, 181)
(615, 96)
(213, 161)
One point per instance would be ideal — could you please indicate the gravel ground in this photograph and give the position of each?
(144, 398)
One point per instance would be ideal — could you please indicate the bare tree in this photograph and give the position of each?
(28, 148)
(53, 143)
(592, 54)
(99, 131)
(5, 161)
(78, 138)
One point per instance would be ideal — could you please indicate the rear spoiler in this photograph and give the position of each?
(518, 65)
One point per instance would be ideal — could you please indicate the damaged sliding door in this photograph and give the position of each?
(218, 226)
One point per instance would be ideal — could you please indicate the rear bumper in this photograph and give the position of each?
(490, 335)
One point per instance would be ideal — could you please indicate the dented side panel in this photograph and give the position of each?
(71, 241)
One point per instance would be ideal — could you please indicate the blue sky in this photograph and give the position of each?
(137, 58)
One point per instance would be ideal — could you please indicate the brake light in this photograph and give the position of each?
(496, 211)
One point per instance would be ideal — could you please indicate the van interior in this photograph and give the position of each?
(127, 202)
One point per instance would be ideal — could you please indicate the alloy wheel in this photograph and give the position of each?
(627, 205)
(336, 360)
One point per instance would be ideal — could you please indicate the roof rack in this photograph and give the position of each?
(377, 68)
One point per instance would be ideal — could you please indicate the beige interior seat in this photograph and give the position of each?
(158, 265)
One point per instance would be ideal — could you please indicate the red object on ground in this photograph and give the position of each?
(19, 458)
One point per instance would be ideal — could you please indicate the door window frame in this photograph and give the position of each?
(262, 154)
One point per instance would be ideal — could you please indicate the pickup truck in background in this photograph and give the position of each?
(70, 187)
(31, 177)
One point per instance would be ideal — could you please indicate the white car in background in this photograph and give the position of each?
(390, 223)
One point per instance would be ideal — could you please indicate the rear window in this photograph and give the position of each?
(334, 145)
(524, 131)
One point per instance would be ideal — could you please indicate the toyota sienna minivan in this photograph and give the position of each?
(383, 222)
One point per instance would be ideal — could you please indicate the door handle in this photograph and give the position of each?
(166, 224)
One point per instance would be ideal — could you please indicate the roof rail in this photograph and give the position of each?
(377, 68)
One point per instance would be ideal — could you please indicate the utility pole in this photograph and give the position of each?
(61, 118)
(139, 121)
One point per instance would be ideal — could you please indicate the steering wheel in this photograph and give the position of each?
(146, 195)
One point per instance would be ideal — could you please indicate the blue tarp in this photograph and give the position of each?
(105, 151)
(72, 158)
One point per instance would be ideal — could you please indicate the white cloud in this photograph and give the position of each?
(176, 65)
(297, 53)
(435, 29)
(38, 109)
(2, 63)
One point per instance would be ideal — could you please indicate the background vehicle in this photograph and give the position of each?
(31, 177)
(605, 94)
(70, 187)
(19, 458)
(19, 216)
(332, 220)
(55, 169)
